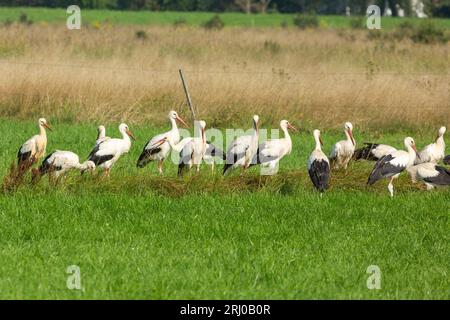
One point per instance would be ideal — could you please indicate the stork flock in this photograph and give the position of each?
(245, 151)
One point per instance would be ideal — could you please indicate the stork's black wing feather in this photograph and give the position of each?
(384, 169)
(98, 160)
(46, 165)
(319, 172)
(447, 159)
(366, 152)
(442, 179)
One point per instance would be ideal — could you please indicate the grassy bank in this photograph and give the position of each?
(138, 235)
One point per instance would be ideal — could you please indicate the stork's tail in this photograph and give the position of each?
(365, 153)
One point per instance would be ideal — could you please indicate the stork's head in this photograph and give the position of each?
(101, 129)
(316, 134)
(348, 128)
(43, 123)
(202, 125)
(410, 143)
(173, 115)
(284, 124)
(124, 128)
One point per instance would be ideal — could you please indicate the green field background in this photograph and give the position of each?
(47, 15)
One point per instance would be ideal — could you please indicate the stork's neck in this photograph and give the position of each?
(82, 166)
(101, 134)
(440, 140)
(412, 155)
(286, 134)
(125, 136)
(174, 124)
(318, 144)
(348, 136)
(42, 131)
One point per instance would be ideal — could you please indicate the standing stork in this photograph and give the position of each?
(34, 148)
(270, 152)
(431, 174)
(192, 150)
(318, 165)
(342, 151)
(435, 151)
(242, 150)
(60, 162)
(161, 151)
(107, 152)
(391, 165)
(373, 151)
(101, 134)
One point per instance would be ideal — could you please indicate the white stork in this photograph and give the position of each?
(192, 150)
(447, 160)
(391, 165)
(318, 165)
(101, 134)
(107, 152)
(373, 151)
(270, 152)
(342, 151)
(160, 153)
(60, 162)
(435, 151)
(34, 148)
(431, 174)
(242, 150)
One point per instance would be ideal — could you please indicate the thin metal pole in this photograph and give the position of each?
(188, 96)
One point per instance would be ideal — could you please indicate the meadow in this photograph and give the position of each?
(139, 235)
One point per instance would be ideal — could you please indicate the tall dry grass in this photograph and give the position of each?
(320, 77)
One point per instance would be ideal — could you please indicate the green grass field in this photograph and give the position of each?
(47, 15)
(137, 235)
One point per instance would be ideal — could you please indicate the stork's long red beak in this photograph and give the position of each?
(350, 133)
(130, 134)
(48, 126)
(290, 126)
(182, 121)
(321, 142)
(415, 150)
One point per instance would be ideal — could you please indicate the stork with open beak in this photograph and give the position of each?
(435, 151)
(107, 152)
(318, 165)
(342, 151)
(242, 150)
(34, 148)
(270, 152)
(160, 153)
(391, 165)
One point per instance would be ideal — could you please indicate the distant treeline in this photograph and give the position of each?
(432, 7)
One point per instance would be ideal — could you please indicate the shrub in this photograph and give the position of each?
(179, 22)
(306, 21)
(23, 18)
(141, 34)
(272, 46)
(429, 33)
(215, 23)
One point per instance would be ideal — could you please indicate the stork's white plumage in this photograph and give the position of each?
(101, 134)
(160, 153)
(391, 165)
(242, 150)
(431, 174)
(342, 151)
(60, 162)
(270, 152)
(106, 153)
(435, 151)
(192, 149)
(373, 151)
(318, 165)
(34, 148)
